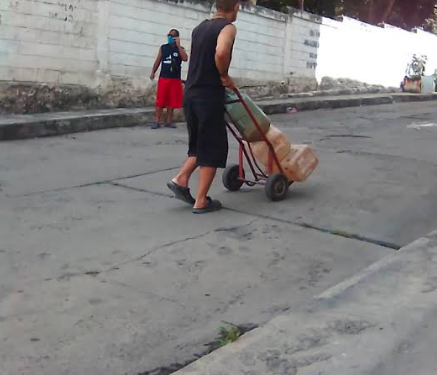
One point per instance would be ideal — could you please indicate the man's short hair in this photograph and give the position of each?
(226, 5)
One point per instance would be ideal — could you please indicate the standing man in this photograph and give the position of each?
(204, 106)
(169, 95)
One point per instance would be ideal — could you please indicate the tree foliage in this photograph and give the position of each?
(402, 13)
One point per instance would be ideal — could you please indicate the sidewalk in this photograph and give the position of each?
(58, 123)
(341, 101)
(381, 321)
(49, 124)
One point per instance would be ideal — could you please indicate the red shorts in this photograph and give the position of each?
(170, 93)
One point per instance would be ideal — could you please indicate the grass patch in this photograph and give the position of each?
(228, 333)
(342, 233)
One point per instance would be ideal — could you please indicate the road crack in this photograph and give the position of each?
(141, 190)
(330, 136)
(95, 183)
(155, 249)
(334, 232)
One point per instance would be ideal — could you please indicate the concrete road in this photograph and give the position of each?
(416, 354)
(102, 272)
(381, 321)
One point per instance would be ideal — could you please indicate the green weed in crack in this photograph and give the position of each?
(228, 333)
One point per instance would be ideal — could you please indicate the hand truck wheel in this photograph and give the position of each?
(277, 187)
(231, 179)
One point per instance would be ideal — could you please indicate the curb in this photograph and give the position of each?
(278, 107)
(321, 103)
(60, 123)
(357, 327)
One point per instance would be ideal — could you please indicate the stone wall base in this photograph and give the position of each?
(27, 98)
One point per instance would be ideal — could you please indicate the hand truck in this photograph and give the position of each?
(276, 184)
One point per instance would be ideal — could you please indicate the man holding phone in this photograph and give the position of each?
(170, 93)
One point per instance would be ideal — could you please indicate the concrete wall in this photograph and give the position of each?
(107, 48)
(48, 41)
(137, 28)
(259, 51)
(304, 43)
(379, 55)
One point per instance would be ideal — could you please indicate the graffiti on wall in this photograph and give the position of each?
(312, 42)
(65, 12)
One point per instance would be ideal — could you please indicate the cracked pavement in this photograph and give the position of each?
(101, 272)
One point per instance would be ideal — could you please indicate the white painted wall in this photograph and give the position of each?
(259, 50)
(138, 27)
(352, 49)
(304, 44)
(48, 41)
(90, 42)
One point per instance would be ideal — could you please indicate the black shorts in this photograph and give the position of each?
(208, 138)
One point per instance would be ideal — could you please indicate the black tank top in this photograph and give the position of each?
(171, 61)
(203, 77)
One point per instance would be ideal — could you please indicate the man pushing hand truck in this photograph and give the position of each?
(204, 105)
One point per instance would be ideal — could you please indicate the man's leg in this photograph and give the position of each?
(175, 101)
(158, 114)
(169, 115)
(212, 150)
(206, 176)
(183, 177)
(179, 184)
(161, 101)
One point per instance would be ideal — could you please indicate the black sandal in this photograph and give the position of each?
(212, 206)
(182, 193)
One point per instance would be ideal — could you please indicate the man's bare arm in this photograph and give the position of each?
(156, 65)
(223, 50)
(182, 52)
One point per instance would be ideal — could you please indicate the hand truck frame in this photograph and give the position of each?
(234, 176)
